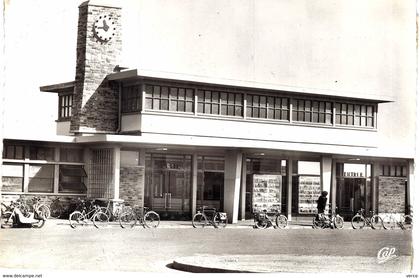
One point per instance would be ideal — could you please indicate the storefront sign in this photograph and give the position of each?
(266, 193)
(309, 191)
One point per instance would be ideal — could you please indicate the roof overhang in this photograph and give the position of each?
(137, 74)
(58, 88)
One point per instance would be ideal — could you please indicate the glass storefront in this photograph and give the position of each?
(210, 181)
(168, 184)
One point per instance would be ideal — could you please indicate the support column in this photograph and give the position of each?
(326, 163)
(289, 188)
(233, 163)
(194, 185)
(56, 170)
(142, 164)
(333, 187)
(26, 170)
(243, 189)
(410, 186)
(375, 185)
(117, 159)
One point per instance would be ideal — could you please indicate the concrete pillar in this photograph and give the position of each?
(375, 184)
(326, 163)
(233, 166)
(26, 170)
(243, 189)
(194, 184)
(117, 159)
(289, 188)
(142, 163)
(410, 186)
(333, 187)
(56, 170)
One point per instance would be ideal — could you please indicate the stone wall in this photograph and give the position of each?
(391, 195)
(95, 101)
(132, 184)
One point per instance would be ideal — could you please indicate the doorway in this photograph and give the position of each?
(211, 190)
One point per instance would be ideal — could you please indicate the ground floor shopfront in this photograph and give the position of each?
(177, 181)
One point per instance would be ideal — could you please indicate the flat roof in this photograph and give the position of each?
(57, 88)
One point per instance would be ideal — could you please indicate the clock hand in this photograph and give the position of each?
(105, 27)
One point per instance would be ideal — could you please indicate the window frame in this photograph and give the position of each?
(65, 105)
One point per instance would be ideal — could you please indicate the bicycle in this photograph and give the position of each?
(145, 217)
(94, 214)
(263, 220)
(120, 208)
(323, 221)
(56, 209)
(405, 222)
(209, 216)
(360, 220)
(42, 209)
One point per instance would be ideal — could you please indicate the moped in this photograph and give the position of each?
(15, 217)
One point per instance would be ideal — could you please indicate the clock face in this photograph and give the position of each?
(104, 27)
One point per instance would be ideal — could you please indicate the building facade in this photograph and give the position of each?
(175, 142)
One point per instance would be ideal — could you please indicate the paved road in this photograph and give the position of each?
(149, 250)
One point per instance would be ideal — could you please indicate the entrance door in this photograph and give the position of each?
(211, 192)
(169, 193)
(351, 196)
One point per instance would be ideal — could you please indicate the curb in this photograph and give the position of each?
(203, 269)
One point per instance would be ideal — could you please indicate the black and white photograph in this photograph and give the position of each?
(221, 137)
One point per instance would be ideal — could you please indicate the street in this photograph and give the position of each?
(153, 250)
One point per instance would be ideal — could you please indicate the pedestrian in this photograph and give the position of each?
(322, 203)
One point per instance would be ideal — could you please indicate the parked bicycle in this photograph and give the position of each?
(264, 219)
(89, 212)
(41, 208)
(323, 220)
(114, 214)
(405, 222)
(360, 220)
(56, 208)
(141, 215)
(209, 216)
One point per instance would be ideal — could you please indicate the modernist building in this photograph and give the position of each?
(225, 132)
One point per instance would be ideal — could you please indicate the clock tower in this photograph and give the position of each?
(95, 101)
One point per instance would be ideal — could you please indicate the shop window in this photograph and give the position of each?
(394, 170)
(12, 177)
(131, 98)
(267, 107)
(65, 103)
(354, 114)
(41, 153)
(129, 158)
(11, 151)
(71, 179)
(41, 178)
(219, 103)
(71, 155)
(169, 98)
(312, 111)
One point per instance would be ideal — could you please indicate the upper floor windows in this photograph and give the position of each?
(131, 99)
(169, 98)
(12, 151)
(220, 103)
(312, 111)
(65, 103)
(354, 114)
(267, 107)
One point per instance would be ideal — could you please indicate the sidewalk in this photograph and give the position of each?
(171, 224)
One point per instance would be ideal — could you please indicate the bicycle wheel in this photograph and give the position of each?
(338, 222)
(44, 211)
(127, 220)
(39, 224)
(281, 221)
(100, 220)
(199, 221)
(389, 222)
(151, 219)
(56, 210)
(76, 219)
(6, 220)
(107, 212)
(358, 222)
(407, 222)
(220, 220)
(262, 223)
(376, 222)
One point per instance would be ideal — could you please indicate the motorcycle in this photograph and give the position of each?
(15, 217)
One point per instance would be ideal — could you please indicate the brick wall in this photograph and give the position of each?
(132, 184)
(95, 101)
(391, 194)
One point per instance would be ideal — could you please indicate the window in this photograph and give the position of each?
(219, 103)
(267, 107)
(41, 178)
(312, 111)
(12, 177)
(354, 114)
(12, 151)
(41, 153)
(394, 170)
(71, 179)
(65, 103)
(71, 155)
(169, 98)
(129, 158)
(131, 99)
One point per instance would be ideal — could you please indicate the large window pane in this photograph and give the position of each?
(41, 178)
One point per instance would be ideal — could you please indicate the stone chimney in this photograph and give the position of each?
(95, 102)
